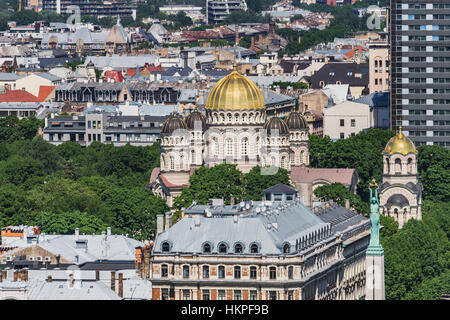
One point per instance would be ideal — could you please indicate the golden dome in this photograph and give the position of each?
(235, 92)
(400, 144)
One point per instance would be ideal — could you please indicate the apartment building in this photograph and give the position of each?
(420, 54)
(270, 250)
(218, 10)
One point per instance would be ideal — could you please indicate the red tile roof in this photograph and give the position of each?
(113, 75)
(44, 92)
(18, 96)
(131, 72)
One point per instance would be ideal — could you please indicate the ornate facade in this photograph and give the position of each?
(400, 192)
(234, 128)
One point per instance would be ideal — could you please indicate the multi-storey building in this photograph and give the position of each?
(420, 73)
(269, 250)
(94, 8)
(104, 127)
(379, 64)
(218, 10)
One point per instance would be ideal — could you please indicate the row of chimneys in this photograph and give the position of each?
(19, 275)
(160, 225)
(329, 204)
(97, 278)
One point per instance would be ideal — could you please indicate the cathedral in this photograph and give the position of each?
(234, 129)
(400, 192)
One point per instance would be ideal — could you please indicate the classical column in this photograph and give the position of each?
(375, 253)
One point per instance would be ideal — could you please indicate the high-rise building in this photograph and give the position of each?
(420, 73)
(218, 10)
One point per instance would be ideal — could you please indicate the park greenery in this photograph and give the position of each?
(64, 187)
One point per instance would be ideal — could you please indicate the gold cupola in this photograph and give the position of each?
(400, 144)
(235, 92)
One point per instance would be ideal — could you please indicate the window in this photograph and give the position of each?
(223, 248)
(342, 122)
(254, 248)
(206, 248)
(290, 295)
(253, 295)
(237, 295)
(353, 122)
(253, 272)
(164, 270)
(286, 248)
(272, 295)
(229, 145)
(164, 294)
(172, 163)
(205, 295)
(398, 166)
(185, 272)
(237, 272)
(273, 273)
(205, 272)
(165, 247)
(186, 294)
(291, 272)
(221, 272)
(221, 295)
(238, 248)
(244, 146)
(341, 135)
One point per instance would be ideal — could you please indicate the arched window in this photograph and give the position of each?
(236, 117)
(165, 247)
(238, 248)
(214, 147)
(286, 248)
(230, 118)
(229, 145)
(388, 165)
(164, 270)
(302, 157)
(398, 166)
(181, 162)
(206, 248)
(290, 272)
(283, 162)
(172, 163)
(254, 248)
(244, 146)
(410, 166)
(193, 156)
(273, 161)
(223, 248)
(258, 146)
(292, 158)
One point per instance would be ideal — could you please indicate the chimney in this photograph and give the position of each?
(71, 280)
(347, 203)
(16, 274)
(271, 27)
(168, 223)
(197, 220)
(159, 223)
(49, 279)
(108, 231)
(113, 281)
(77, 233)
(252, 42)
(4, 274)
(232, 202)
(235, 218)
(121, 285)
(97, 275)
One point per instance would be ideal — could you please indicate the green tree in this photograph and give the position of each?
(254, 182)
(66, 222)
(390, 227)
(45, 153)
(133, 210)
(221, 181)
(339, 193)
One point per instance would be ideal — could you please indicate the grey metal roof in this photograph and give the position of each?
(376, 99)
(280, 188)
(270, 230)
(7, 76)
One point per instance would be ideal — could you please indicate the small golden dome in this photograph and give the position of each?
(400, 144)
(235, 92)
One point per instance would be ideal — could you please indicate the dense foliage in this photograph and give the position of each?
(339, 193)
(226, 181)
(63, 187)
(417, 256)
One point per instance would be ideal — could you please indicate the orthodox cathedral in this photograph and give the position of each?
(400, 192)
(234, 129)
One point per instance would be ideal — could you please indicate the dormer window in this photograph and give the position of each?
(223, 248)
(238, 248)
(81, 244)
(206, 248)
(286, 248)
(254, 248)
(165, 246)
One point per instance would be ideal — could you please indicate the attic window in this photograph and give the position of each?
(286, 248)
(81, 244)
(165, 247)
